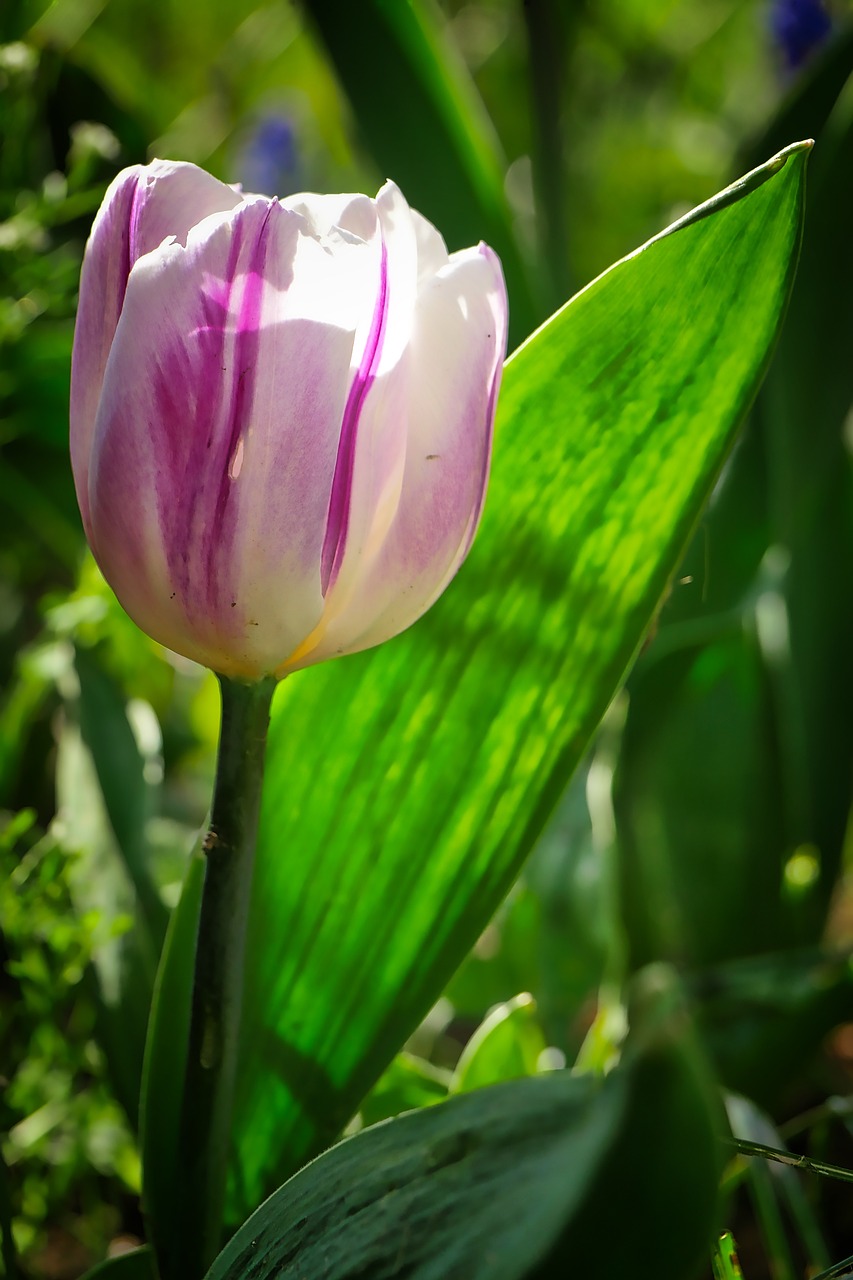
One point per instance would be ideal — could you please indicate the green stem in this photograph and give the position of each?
(229, 848)
(790, 1158)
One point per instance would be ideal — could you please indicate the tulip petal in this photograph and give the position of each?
(337, 521)
(447, 389)
(362, 509)
(325, 214)
(142, 207)
(432, 251)
(281, 414)
(223, 398)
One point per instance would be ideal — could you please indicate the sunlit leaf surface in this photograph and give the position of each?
(405, 786)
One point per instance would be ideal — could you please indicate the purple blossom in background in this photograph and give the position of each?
(270, 159)
(799, 27)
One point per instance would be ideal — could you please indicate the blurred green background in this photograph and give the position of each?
(708, 825)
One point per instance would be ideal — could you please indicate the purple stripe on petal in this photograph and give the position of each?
(208, 388)
(334, 543)
(246, 344)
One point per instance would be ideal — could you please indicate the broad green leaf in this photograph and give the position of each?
(406, 786)
(419, 112)
(516, 1180)
(506, 1045)
(478, 1186)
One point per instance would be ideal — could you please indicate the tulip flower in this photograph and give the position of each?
(281, 414)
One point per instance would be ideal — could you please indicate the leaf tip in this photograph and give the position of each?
(794, 149)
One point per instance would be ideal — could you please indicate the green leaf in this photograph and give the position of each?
(165, 1064)
(765, 1018)
(124, 953)
(663, 1170)
(137, 1265)
(701, 835)
(8, 1252)
(421, 116)
(406, 786)
(476, 1186)
(516, 1180)
(506, 1045)
(725, 1261)
(406, 1084)
(121, 768)
(804, 415)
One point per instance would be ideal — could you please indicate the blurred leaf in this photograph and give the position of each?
(804, 414)
(699, 802)
(124, 952)
(663, 1170)
(515, 1180)
(422, 118)
(764, 1018)
(721, 564)
(380, 864)
(507, 1045)
(137, 1265)
(23, 699)
(8, 1253)
(122, 775)
(764, 1193)
(406, 1084)
(811, 99)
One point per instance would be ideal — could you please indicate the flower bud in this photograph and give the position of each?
(281, 414)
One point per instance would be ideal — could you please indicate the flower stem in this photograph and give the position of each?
(229, 849)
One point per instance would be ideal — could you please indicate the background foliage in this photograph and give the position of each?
(707, 825)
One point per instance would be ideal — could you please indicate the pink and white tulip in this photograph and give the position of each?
(281, 414)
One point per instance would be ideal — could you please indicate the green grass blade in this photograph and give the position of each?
(725, 1260)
